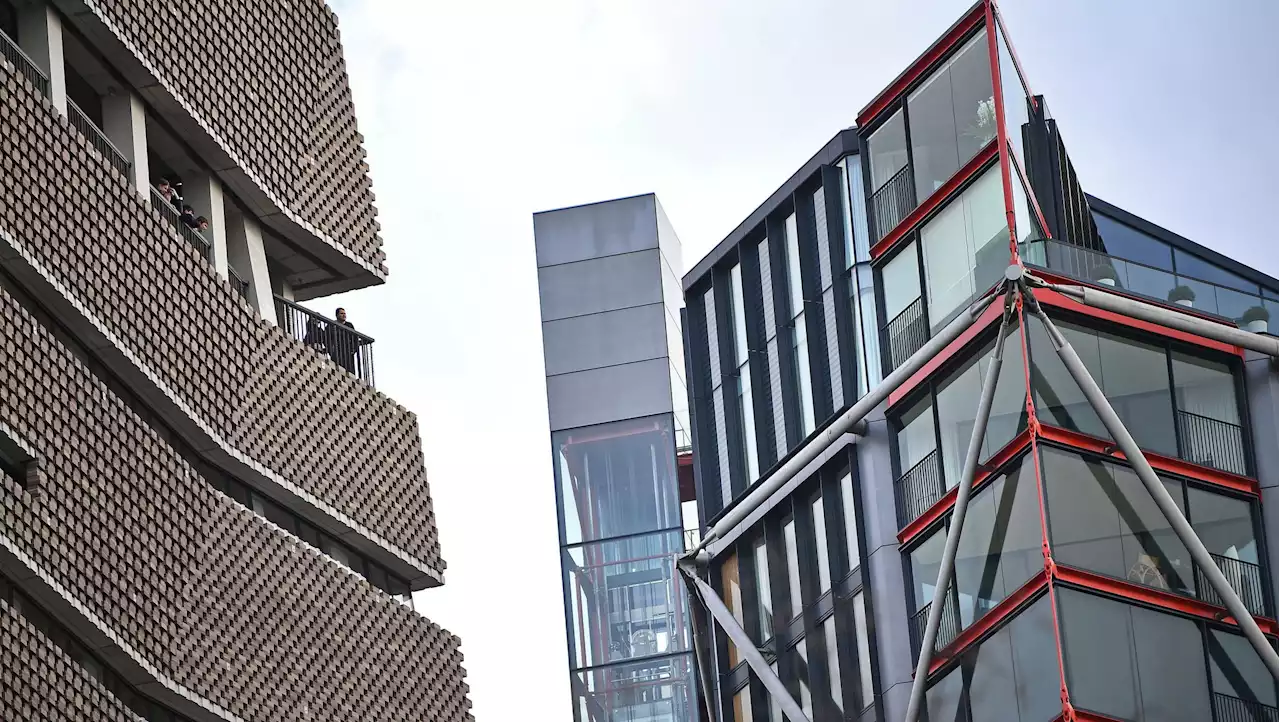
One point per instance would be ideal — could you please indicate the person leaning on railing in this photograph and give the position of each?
(342, 345)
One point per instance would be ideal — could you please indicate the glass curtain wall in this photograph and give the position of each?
(951, 116)
(742, 354)
(799, 331)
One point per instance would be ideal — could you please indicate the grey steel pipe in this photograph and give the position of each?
(850, 421)
(746, 647)
(947, 566)
(701, 639)
(1268, 345)
(1181, 527)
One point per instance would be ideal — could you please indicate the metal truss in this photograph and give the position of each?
(1016, 287)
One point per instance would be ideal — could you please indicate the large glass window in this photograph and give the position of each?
(742, 355)
(900, 279)
(1102, 519)
(957, 401)
(654, 691)
(888, 150)
(965, 246)
(1132, 663)
(1235, 670)
(1017, 108)
(999, 550)
(1129, 243)
(795, 597)
(624, 599)
(1133, 375)
(799, 332)
(952, 116)
(1011, 677)
(617, 479)
(1208, 416)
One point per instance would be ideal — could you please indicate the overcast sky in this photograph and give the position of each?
(477, 114)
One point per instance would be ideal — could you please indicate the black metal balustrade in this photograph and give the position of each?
(1233, 709)
(238, 284)
(97, 138)
(348, 348)
(893, 201)
(1211, 442)
(918, 489)
(25, 65)
(948, 625)
(1245, 578)
(191, 235)
(906, 333)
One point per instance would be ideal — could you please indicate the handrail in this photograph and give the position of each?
(171, 214)
(919, 488)
(1211, 442)
(23, 62)
(238, 284)
(893, 200)
(346, 346)
(1245, 578)
(1229, 708)
(98, 139)
(948, 630)
(905, 333)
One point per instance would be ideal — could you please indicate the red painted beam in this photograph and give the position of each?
(992, 619)
(988, 317)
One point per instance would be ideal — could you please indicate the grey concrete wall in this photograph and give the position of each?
(1261, 387)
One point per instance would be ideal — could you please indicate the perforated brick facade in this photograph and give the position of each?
(274, 89)
(219, 600)
(288, 408)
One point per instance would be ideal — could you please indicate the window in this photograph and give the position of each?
(764, 591)
(799, 333)
(1126, 242)
(1132, 663)
(866, 687)
(833, 663)
(820, 546)
(900, 279)
(795, 596)
(952, 116)
(1236, 670)
(798, 676)
(888, 151)
(965, 246)
(746, 406)
(659, 690)
(1012, 676)
(1208, 417)
(849, 503)
(731, 591)
(624, 598)
(1017, 107)
(869, 321)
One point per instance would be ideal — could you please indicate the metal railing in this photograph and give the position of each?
(1233, 709)
(1245, 578)
(24, 64)
(948, 625)
(1211, 442)
(906, 333)
(191, 235)
(918, 489)
(97, 138)
(691, 538)
(348, 348)
(1155, 283)
(893, 201)
(238, 284)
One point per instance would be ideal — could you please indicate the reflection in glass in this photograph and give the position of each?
(900, 279)
(617, 479)
(965, 246)
(888, 149)
(731, 591)
(849, 504)
(793, 567)
(655, 691)
(1132, 663)
(804, 383)
(624, 599)
(764, 591)
(833, 663)
(1016, 104)
(798, 668)
(866, 685)
(953, 116)
(1236, 670)
(957, 401)
(820, 543)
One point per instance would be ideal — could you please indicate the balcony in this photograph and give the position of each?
(347, 347)
(1233, 709)
(948, 625)
(906, 333)
(188, 233)
(1211, 442)
(86, 127)
(238, 284)
(25, 65)
(918, 489)
(894, 200)
(1248, 311)
(1245, 579)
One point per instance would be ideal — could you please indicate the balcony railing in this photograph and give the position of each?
(1233, 709)
(25, 65)
(1211, 442)
(238, 284)
(893, 201)
(1142, 280)
(348, 348)
(1245, 579)
(948, 625)
(918, 489)
(174, 218)
(906, 333)
(97, 138)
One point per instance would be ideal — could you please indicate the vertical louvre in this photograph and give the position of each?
(701, 413)
(722, 445)
(766, 285)
(833, 349)
(775, 389)
(824, 240)
(713, 337)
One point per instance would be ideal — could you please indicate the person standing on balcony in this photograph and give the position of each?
(165, 188)
(202, 223)
(189, 216)
(342, 345)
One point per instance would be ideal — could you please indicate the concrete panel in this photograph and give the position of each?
(601, 284)
(671, 247)
(604, 339)
(595, 231)
(591, 397)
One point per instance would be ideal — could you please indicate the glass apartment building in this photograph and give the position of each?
(1071, 598)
